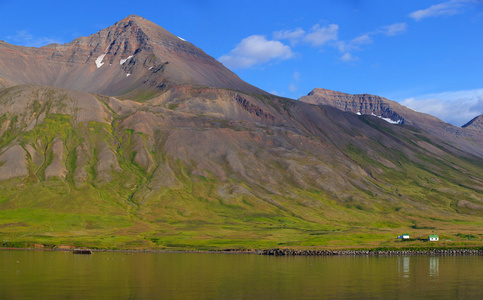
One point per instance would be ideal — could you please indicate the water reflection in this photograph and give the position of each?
(433, 265)
(60, 275)
(404, 261)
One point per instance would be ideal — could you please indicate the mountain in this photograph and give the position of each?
(133, 56)
(476, 123)
(363, 104)
(395, 113)
(190, 156)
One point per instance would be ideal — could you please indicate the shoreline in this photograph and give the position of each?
(227, 251)
(442, 251)
(374, 252)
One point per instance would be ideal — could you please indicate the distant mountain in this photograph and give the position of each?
(395, 113)
(362, 104)
(475, 124)
(134, 138)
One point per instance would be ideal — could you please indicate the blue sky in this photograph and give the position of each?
(425, 54)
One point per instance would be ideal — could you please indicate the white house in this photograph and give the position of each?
(405, 236)
(433, 238)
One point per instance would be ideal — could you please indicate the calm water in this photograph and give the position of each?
(63, 275)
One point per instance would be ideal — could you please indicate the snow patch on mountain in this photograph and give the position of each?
(99, 62)
(124, 60)
(390, 120)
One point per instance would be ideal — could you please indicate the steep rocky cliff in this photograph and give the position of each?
(364, 104)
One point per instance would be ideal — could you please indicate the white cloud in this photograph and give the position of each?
(319, 36)
(456, 107)
(347, 57)
(448, 8)
(24, 38)
(254, 50)
(294, 36)
(395, 29)
(356, 44)
(362, 40)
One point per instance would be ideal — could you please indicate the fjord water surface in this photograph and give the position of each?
(113, 275)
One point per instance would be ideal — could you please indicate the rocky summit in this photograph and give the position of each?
(363, 104)
(133, 138)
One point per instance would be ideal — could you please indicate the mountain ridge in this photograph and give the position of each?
(476, 123)
(395, 113)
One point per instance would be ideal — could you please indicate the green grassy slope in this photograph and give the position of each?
(201, 170)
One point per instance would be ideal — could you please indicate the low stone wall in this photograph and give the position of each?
(293, 252)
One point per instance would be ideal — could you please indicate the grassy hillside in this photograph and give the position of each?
(200, 168)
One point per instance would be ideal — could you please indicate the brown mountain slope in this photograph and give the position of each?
(393, 112)
(133, 56)
(267, 144)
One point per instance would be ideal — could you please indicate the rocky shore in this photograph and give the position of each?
(285, 252)
(374, 252)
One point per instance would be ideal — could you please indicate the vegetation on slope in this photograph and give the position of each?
(164, 176)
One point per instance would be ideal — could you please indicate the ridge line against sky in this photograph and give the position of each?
(424, 54)
(456, 107)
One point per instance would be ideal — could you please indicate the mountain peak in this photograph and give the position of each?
(134, 17)
(150, 28)
(131, 19)
(475, 123)
(132, 55)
